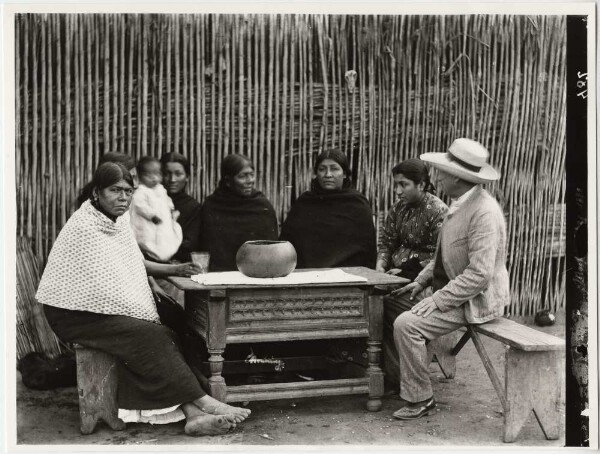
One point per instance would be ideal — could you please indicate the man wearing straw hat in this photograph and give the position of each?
(466, 282)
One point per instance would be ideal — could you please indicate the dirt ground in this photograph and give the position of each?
(468, 414)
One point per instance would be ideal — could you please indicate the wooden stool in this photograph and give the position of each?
(97, 381)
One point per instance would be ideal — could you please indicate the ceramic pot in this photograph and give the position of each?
(264, 258)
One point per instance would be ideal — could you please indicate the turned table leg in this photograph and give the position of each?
(374, 371)
(216, 341)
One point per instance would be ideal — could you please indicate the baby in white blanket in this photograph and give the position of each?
(153, 217)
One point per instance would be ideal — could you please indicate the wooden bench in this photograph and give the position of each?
(97, 388)
(532, 378)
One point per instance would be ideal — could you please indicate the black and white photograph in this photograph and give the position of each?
(347, 226)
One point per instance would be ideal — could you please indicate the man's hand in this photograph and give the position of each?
(413, 288)
(424, 307)
(394, 271)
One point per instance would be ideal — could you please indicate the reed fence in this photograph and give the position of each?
(280, 88)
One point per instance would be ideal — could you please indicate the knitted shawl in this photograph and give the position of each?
(331, 229)
(95, 265)
(229, 220)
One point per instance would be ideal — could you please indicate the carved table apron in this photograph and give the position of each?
(244, 314)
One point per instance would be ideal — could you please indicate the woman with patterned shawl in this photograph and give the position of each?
(332, 224)
(235, 213)
(95, 292)
(407, 242)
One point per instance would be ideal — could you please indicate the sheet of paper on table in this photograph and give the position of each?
(299, 277)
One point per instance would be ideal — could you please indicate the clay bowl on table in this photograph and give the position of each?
(263, 258)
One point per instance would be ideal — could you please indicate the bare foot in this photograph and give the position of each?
(200, 425)
(212, 406)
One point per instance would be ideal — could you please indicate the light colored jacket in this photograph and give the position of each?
(473, 242)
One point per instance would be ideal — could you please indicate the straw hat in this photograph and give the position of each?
(466, 159)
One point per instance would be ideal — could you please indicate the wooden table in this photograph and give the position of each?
(228, 314)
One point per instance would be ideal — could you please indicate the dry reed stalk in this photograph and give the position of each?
(289, 179)
(115, 88)
(27, 139)
(43, 230)
(273, 172)
(202, 166)
(233, 52)
(214, 119)
(51, 203)
(299, 166)
(123, 20)
(80, 178)
(144, 97)
(248, 20)
(218, 71)
(62, 218)
(241, 25)
(262, 101)
(168, 80)
(226, 61)
(185, 98)
(66, 188)
(362, 76)
(106, 83)
(90, 161)
(255, 101)
(77, 114)
(355, 51)
(372, 49)
(345, 104)
(177, 94)
(284, 153)
(132, 35)
(19, 94)
(33, 332)
(138, 117)
(323, 60)
(192, 98)
(267, 170)
(311, 97)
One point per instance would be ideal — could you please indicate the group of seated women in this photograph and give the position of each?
(97, 287)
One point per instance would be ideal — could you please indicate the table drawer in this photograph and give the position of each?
(298, 312)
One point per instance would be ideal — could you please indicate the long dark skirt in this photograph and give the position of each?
(153, 373)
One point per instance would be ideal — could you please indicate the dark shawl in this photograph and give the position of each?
(189, 219)
(331, 229)
(229, 220)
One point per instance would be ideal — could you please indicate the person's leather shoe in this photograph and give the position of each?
(415, 411)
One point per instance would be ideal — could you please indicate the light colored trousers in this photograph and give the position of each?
(410, 333)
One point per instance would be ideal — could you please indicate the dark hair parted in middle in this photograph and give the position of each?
(176, 157)
(416, 171)
(110, 173)
(233, 164)
(335, 155)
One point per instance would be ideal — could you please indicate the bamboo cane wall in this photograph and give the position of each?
(277, 88)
